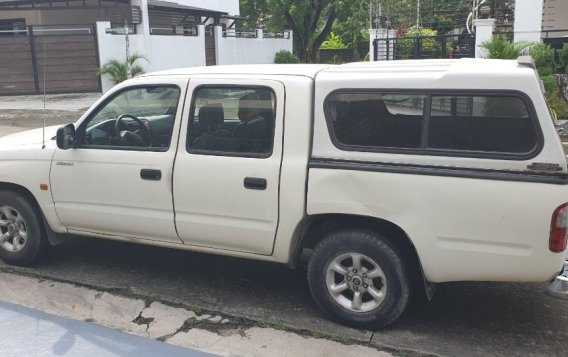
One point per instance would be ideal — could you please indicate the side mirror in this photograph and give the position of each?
(66, 137)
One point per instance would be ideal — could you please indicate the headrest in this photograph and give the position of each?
(211, 117)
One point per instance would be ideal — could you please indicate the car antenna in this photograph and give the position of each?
(44, 111)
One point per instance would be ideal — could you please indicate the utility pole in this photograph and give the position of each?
(370, 14)
(418, 17)
(128, 69)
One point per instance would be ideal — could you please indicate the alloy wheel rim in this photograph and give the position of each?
(13, 230)
(356, 282)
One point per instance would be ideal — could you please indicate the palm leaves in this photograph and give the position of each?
(118, 70)
(501, 48)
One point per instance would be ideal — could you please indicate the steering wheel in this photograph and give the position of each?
(138, 137)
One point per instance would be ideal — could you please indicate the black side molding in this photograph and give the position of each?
(518, 176)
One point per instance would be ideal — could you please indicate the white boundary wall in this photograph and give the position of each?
(163, 52)
(238, 50)
(167, 52)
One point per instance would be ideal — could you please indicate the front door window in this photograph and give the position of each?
(136, 118)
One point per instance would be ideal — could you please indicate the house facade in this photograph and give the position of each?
(555, 22)
(63, 42)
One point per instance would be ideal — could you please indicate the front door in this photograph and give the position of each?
(118, 180)
(227, 173)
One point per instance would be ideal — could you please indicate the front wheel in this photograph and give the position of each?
(22, 236)
(358, 279)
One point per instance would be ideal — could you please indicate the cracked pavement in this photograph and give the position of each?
(174, 325)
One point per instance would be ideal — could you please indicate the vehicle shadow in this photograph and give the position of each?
(480, 318)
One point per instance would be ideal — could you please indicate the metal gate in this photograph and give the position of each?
(64, 58)
(424, 47)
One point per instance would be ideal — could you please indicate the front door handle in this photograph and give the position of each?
(149, 174)
(255, 183)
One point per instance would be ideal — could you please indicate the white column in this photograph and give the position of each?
(373, 35)
(144, 27)
(259, 34)
(218, 33)
(201, 32)
(483, 32)
(528, 20)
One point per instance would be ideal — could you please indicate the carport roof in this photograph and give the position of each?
(174, 6)
(152, 4)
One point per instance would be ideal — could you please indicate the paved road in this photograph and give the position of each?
(39, 334)
(477, 319)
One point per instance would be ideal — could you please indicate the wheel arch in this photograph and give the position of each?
(24, 191)
(53, 237)
(314, 228)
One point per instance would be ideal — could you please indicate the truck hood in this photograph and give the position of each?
(30, 137)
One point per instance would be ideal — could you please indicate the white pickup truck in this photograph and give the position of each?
(390, 176)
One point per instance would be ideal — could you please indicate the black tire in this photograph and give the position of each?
(36, 242)
(373, 246)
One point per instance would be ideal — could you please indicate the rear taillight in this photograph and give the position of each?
(559, 229)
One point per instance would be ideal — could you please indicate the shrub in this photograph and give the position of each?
(563, 58)
(118, 70)
(550, 84)
(558, 106)
(405, 44)
(544, 59)
(501, 48)
(334, 43)
(284, 56)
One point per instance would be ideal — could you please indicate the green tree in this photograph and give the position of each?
(352, 25)
(255, 13)
(440, 15)
(310, 20)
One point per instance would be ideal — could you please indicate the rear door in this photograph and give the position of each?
(227, 169)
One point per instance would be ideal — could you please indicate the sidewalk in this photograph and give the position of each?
(18, 113)
(28, 332)
(74, 101)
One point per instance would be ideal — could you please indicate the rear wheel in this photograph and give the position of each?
(358, 279)
(22, 235)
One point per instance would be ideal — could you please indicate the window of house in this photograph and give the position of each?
(236, 121)
(464, 125)
(139, 117)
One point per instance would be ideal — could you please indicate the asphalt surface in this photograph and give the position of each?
(39, 334)
(475, 319)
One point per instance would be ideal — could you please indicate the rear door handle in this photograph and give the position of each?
(255, 183)
(149, 174)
